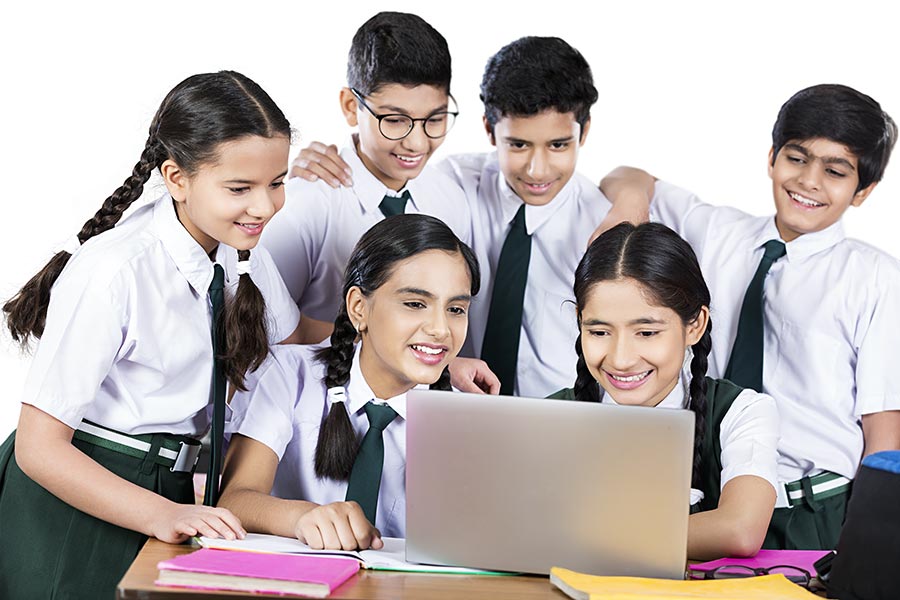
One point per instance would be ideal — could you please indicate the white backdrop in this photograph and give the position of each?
(688, 90)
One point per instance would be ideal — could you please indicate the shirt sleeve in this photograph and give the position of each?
(83, 335)
(294, 237)
(690, 217)
(265, 412)
(749, 437)
(281, 311)
(877, 375)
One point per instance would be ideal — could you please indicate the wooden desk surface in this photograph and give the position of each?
(365, 585)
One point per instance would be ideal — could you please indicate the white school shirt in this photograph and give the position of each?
(559, 231)
(832, 313)
(748, 434)
(127, 342)
(312, 237)
(284, 410)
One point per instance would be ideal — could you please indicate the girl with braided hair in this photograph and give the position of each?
(319, 444)
(644, 319)
(137, 323)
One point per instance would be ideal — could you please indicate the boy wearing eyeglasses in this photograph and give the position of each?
(398, 98)
(531, 214)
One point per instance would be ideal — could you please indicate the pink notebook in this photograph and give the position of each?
(302, 575)
(768, 558)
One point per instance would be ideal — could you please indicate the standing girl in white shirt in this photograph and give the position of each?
(643, 311)
(296, 465)
(129, 323)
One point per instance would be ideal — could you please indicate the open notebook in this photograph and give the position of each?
(390, 558)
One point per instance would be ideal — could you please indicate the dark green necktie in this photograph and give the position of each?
(500, 349)
(217, 391)
(394, 205)
(365, 478)
(745, 367)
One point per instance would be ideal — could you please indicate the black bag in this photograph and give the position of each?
(867, 564)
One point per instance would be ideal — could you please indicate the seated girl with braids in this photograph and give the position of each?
(319, 444)
(120, 385)
(644, 318)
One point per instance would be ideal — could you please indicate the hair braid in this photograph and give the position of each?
(698, 397)
(337, 445)
(586, 387)
(246, 335)
(26, 312)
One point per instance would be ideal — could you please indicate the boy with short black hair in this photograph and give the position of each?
(531, 214)
(398, 95)
(815, 326)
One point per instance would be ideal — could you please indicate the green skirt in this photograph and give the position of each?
(50, 550)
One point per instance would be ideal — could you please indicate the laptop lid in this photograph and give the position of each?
(522, 484)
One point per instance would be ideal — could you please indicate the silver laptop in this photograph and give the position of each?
(522, 484)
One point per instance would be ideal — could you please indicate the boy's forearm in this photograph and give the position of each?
(628, 185)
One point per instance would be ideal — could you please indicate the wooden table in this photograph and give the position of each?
(365, 585)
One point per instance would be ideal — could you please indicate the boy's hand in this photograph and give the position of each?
(636, 212)
(473, 375)
(318, 161)
(179, 522)
(337, 526)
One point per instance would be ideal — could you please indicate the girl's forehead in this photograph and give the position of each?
(623, 299)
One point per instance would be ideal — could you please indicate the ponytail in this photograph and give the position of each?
(698, 397)
(586, 387)
(337, 445)
(26, 312)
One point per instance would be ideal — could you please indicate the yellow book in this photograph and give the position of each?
(592, 587)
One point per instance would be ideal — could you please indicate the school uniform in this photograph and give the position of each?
(741, 435)
(312, 237)
(559, 232)
(830, 317)
(127, 347)
(284, 409)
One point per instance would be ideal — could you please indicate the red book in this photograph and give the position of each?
(300, 575)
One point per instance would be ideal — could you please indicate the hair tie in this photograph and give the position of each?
(336, 394)
(243, 267)
(71, 245)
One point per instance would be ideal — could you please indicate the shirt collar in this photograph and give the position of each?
(189, 257)
(368, 189)
(359, 393)
(535, 216)
(807, 244)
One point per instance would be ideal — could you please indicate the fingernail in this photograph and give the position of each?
(312, 177)
(302, 163)
(348, 171)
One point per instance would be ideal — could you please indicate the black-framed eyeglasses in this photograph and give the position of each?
(398, 126)
(794, 574)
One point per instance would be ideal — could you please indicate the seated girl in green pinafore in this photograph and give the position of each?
(644, 318)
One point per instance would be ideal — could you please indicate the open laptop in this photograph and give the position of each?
(523, 484)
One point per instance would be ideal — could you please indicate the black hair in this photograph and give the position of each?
(534, 74)
(843, 115)
(395, 47)
(194, 119)
(667, 270)
(370, 265)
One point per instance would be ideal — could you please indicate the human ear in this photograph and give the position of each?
(860, 196)
(175, 179)
(489, 129)
(357, 308)
(349, 106)
(696, 328)
(584, 132)
(771, 161)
